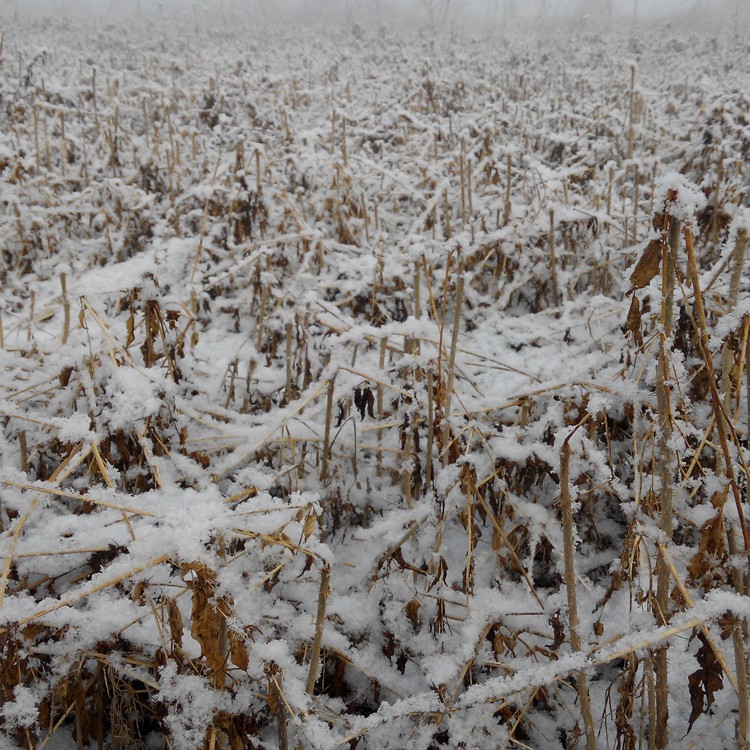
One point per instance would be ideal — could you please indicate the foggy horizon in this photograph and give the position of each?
(436, 14)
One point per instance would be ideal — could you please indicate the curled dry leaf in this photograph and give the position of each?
(704, 682)
(412, 613)
(311, 522)
(633, 322)
(364, 401)
(711, 549)
(209, 625)
(175, 623)
(647, 267)
(238, 652)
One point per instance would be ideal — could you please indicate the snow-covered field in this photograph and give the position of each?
(373, 390)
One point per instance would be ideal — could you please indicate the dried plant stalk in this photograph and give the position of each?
(452, 359)
(719, 415)
(447, 232)
(417, 291)
(506, 211)
(277, 704)
(566, 504)
(636, 197)
(631, 113)
(36, 138)
(722, 425)
(23, 449)
(740, 659)
(383, 348)
(327, 435)
(325, 588)
(739, 628)
(665, 471)
(553, 260)
(430, 431)
(63, 148)
(70, 600)
(462, 178)
(32, 307)
(288, 389)
(66, 308)
(262, 318)
(703, 627)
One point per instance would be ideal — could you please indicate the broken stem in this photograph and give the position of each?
(325, 587)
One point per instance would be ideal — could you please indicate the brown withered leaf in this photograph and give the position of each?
(369, 401)
(440, 574)
(718, 499)
(712, 535)
(727, 623)
(84, 723)
(311, 522)
(359, 402)
(308, 564)
(139, 592)
(711, 547)
(238, 652)
(501, 643)
(704, 682)
(130, 326)
(273, 698)
(398, 557)
(175, 623)
(209, 629)
(172, 317)
(412, 613)
(64, 376)
(558, 629)
(678, 597)
(45, 712)
(34, 631)
(695, 686)
(633, 322)
(200, 458)
(647, 267)
(497, 540)
(209, 625)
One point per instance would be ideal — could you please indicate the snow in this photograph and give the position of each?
(688, 199)
(175, 489)
(22, 711)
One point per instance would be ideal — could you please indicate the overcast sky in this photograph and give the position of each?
(446, 12)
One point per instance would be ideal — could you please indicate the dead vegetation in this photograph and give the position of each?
(336, 414)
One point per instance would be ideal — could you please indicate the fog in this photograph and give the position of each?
(431, 14)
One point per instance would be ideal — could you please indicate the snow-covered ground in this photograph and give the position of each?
(298, 329)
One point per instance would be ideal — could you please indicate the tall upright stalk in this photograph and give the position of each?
(327, 434)
(566, 504)
(631, 112)
(452, 358)
(724, 462)
(553, 260)
(325, 589)
(665, 470)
